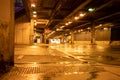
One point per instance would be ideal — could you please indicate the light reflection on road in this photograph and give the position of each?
(63, 62)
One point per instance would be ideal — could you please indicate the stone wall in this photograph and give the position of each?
(22, 31)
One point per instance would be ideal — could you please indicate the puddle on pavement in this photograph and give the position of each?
(54, 72)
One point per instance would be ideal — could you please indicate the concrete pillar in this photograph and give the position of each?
(93, 34)
(62, 39)
(32, 31)
(7, 31)
(41, 38)
(44, 38)
(110, 39)
(72, 37)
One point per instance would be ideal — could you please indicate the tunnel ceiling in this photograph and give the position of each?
(64, 15)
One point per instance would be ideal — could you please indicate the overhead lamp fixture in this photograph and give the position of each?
(91, 9)
(35, 29)
(76, 18)
(75, 31)
(69, 22)
(33, 5)
(34, 12)
(66, 24)
(35, 23)
(100, 25)
(62, 26)
(51, 33)
(88, 28)
(105, 28)
(66, 34)
(81, 14)
(34, 16)
(58, 29)
(79, 30)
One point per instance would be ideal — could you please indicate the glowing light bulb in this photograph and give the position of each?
(35, 23)
(91, 9)
(33, 5)
(66, 24)
(34, 12)
(69, 22)
(76, 18)
(34, 16)
(81, 14)
(62, 26)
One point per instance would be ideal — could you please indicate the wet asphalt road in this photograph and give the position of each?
(62, 62)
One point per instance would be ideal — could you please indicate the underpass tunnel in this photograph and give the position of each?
(59, 39)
